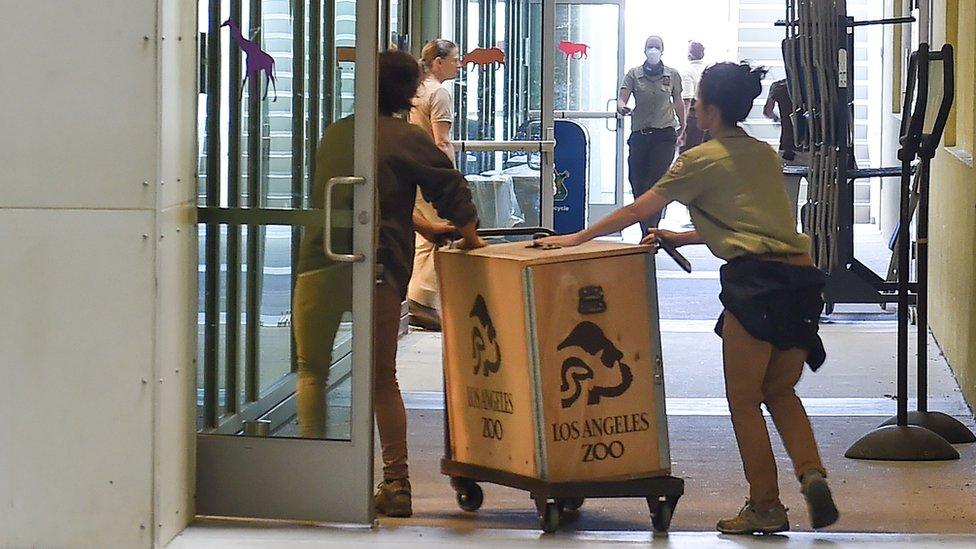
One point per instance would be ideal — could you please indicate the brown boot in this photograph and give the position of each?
(393, 499)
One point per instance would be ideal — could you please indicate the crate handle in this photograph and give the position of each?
(591, 300)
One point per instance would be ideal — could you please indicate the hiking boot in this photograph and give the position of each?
(393, 499)
(751, 521)
(820, 502)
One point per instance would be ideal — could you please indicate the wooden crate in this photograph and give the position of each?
(552, 361)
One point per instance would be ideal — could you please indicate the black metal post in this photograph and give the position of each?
(233, 305)
(902, 441)
(944, 425)
(211, 315)
(903, 234)
(297, 143)
(314, 85)
(254, 233)
(329, 66)
(921, 298)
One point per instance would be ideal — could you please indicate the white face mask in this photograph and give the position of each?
(653, 55)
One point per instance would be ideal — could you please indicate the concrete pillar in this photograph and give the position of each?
(97, 301)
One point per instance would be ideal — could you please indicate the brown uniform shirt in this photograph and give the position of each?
(407, 160)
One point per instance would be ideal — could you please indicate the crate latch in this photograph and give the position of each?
(591, 300)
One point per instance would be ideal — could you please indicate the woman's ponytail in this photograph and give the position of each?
(732, 87)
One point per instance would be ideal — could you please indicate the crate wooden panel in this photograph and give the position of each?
(538, 388)
(598, 371)
(491, 416)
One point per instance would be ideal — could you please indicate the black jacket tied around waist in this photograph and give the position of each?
(779, 303)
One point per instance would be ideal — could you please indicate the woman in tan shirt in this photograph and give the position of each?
(433, 111)
(732, 186)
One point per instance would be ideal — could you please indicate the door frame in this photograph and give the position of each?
(305, 479)
(598, 211)
(544, 146)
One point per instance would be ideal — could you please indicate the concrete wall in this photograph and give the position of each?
(953, 207)
(98, 272)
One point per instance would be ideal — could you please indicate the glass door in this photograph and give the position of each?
(589, 38)
(260, 454)
(503, 102)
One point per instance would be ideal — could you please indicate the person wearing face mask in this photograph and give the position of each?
(434, 112)
(658, 120)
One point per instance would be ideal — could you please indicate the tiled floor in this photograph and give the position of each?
(882, 503)
(221, 536)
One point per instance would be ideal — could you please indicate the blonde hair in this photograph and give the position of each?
(437, 48)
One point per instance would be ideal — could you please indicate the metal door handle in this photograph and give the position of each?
(327, 236)
(612, 106)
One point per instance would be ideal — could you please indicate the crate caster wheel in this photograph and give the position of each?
(469, 495)
(572, 504)
(661, 513)
(549, 519)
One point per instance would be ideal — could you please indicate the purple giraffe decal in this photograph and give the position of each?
(256, 60)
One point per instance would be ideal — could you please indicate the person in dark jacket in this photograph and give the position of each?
(406, 160)
(732, 186)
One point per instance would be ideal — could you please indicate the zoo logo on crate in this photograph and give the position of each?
(479, 345)
(561, 192)
(591, 339)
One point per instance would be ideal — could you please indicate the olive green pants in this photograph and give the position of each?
(320, 299)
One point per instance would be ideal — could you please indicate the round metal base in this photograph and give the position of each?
(941, 424)
(902, 443)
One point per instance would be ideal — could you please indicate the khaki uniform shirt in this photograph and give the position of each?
(653, 97)
(733, 188)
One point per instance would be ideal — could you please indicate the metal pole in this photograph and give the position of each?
(233, 319)
(211, 413)
(314, 84)
(924, 21)
(921, 297)
(329, 65)
(903, 235)
(297, 141)
(254, 232)
(548, 100)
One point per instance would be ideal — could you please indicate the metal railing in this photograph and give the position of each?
(504, 146)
